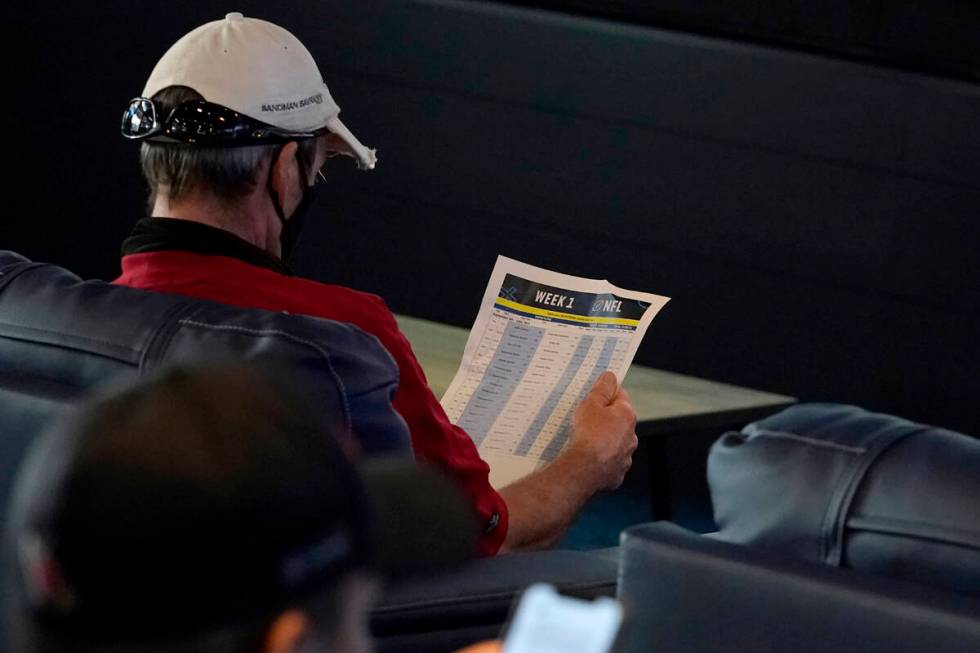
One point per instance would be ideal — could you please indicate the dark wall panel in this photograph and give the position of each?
(649, 188)
(934, 35)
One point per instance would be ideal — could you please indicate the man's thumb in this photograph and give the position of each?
(605, 388)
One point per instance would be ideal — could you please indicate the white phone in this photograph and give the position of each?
(547, 622)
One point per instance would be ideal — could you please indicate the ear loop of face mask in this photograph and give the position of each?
(289, 233)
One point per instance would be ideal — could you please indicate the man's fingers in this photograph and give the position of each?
(605, 387)
(622, 395)
(624, 408)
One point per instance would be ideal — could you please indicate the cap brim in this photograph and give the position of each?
(423, 522)
(366, 157)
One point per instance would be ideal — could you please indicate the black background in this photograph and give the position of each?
(811, 206)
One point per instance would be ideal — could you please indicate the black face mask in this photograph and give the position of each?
(289, 233)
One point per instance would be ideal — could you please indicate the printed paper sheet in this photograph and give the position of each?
(539, 342)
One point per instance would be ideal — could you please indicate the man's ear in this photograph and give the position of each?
(285, 172)
(288, 633)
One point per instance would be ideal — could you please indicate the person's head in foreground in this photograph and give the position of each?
(235, 123)
(210, 510)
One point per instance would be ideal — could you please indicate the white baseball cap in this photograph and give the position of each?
(257, 69)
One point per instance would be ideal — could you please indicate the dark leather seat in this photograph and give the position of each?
(685, 592)
(61, 337)
(842, 486)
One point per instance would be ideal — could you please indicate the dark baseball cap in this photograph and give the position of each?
(209, 497)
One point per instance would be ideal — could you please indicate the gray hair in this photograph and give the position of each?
(229, 173)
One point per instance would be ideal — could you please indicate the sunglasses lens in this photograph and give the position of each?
(202, 122)
(139, 119)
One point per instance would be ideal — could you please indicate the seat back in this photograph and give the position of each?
(61, 338)
(684, 592)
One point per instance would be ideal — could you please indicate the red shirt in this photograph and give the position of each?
(231, 281)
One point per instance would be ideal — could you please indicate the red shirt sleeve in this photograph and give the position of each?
(438, 441)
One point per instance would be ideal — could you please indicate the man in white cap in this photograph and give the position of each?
(235, 122)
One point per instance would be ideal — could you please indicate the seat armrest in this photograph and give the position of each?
(685, 592)
(477, 597)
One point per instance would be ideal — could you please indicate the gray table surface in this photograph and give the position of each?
(659, 397)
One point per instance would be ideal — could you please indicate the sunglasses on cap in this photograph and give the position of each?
(198, 122)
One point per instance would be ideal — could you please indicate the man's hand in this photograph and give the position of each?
(604, 433)
(598, 455)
